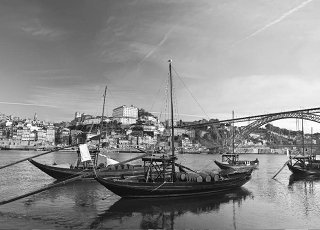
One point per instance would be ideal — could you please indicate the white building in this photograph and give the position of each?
(125, 114)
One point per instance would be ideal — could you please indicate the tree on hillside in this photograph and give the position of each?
(142, 112)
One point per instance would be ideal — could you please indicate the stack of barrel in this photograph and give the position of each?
(120, 167)
(206, 176)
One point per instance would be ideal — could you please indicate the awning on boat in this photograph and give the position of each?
(230, 154)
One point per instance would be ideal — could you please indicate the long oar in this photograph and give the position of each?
(44, 189)
(41, 154)
(281, 169)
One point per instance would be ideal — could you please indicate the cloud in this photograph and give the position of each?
(27, 104)
(268, 92)
(78, 98)
(163, 40)
(276, 21)
(38, 30)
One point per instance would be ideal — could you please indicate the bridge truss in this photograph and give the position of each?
(260, 120)
(265, 120)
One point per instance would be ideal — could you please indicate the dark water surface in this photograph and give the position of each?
(262, 203)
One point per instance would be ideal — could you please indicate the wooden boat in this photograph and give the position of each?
(161, 184)
(304, 165)
(230, 160)
(89, 167)
(161, 179)
(65, 171)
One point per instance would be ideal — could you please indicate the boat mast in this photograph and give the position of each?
(233, 132)
(172, 127)
(102, 116)
(311, 142)
(302, 134)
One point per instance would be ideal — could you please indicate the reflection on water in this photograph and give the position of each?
(162, 213)
(305, 179)
(305, 190)
(72, 206)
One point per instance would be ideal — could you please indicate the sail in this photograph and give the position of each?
(84, 152)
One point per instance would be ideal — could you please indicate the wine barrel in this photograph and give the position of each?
(194, 177)
(206, 177)
(180, 176)
(112, 167)
(183, 176)
(214, 175)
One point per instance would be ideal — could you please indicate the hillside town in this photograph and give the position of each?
(130, 128)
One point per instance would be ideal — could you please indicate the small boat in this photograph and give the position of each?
(162, 179)
(304, 165)
(87, 162)
(230, 160)
(65, 171)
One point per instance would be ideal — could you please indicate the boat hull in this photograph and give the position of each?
(252, 165)
(59, 173)
(130, 189)
(303, 171)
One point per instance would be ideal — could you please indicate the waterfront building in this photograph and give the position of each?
(51, 134)
(186, 143)
(125, 114)
(77, 115)
(42, 135)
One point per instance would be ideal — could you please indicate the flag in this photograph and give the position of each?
(84, 152)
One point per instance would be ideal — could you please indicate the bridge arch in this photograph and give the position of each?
(267, 119)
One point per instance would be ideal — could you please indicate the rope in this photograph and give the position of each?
(191, 94)
(158, 93)
(175, 102)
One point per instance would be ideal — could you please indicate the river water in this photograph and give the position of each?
(262, 203)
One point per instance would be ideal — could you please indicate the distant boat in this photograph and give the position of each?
(304, 165)
(230, 160)
(162, 179)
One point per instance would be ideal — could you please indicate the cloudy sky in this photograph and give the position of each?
(250, 56)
